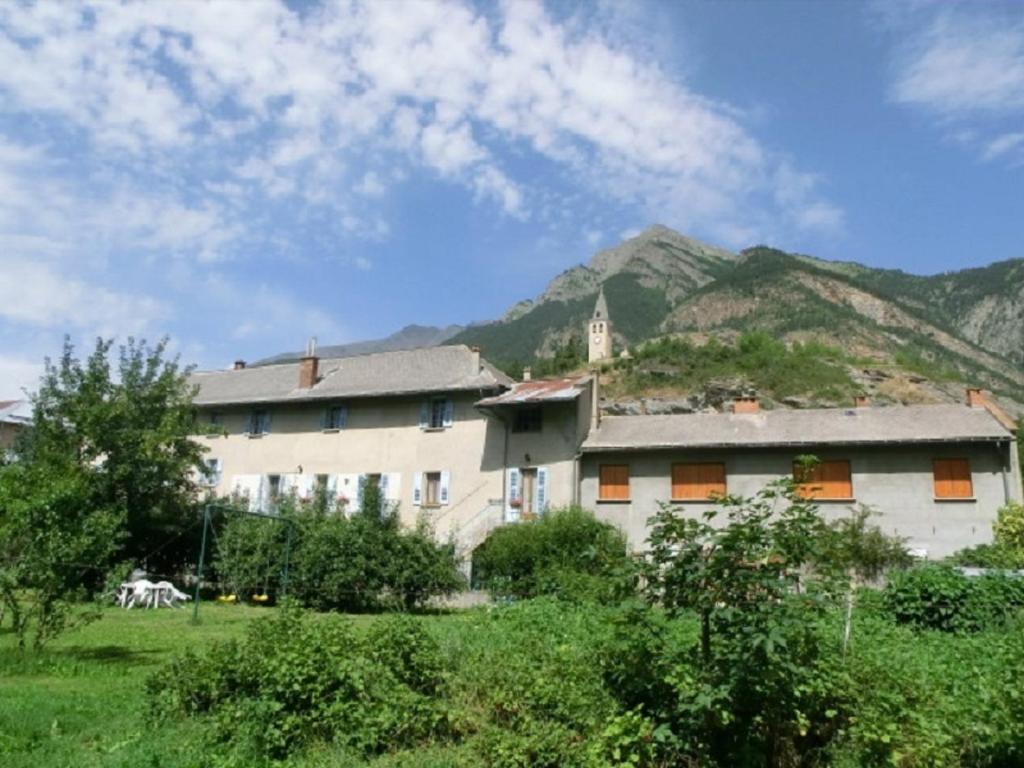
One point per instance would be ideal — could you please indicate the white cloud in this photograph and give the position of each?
(18, 375)
(294, 103)
(964, 63)
(965, 66)
(1001, 145)
(38, 295)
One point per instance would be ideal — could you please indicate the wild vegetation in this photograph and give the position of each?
(743, 648)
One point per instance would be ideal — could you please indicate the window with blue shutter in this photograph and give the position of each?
(437, 413)
(335, 417)
(541, 491)
(259, 422)
(446, 479)
(512, 498)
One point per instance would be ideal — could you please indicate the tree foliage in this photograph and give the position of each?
(106, 474)
(129, 428)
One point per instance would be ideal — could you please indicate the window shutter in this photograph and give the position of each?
(343, 417)
(540, 502)
(333, 483)
(512, 491)
(424, 414)
(446, 478)
(953, 479)
(613, 482)
(449, 412)
(383, 486)
(357, 502)
(263, 495)
(417, 489)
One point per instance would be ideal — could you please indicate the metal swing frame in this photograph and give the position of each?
(207, 516)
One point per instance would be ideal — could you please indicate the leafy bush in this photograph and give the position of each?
(855, 546)
(1009, 527)
(1007, 548)
(566, 552)
(940, 597)
(365, 561)
(759, 683)
(297, 679)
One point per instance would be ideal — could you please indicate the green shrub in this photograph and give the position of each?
(1007, 548)
(566, 552)
(295, 680)
(366, 561)
(1009, 527)
(940, 597)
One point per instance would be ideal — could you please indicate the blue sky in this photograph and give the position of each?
(241, 176)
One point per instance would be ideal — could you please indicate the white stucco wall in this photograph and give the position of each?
(897, 482)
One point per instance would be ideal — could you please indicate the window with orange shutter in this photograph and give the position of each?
(614, 482)
(698, 481)
(952, 479)
(827, 480)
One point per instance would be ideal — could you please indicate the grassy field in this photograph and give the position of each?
(80, 702)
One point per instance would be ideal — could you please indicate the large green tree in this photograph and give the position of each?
(126, 424)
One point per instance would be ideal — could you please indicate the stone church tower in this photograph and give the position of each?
(599, 339)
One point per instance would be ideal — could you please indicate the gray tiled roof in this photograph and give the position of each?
(16, 412)
(825, 426)
(414, 371)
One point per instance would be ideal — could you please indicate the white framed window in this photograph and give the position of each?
(431, 489)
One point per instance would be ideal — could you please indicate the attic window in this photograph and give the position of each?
(528, 419)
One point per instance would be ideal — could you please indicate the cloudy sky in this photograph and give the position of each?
(240, 176)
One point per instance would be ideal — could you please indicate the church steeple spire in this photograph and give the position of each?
(599, 337)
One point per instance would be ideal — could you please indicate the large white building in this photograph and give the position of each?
(448, 436)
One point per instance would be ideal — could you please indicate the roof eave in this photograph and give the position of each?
(786, 444)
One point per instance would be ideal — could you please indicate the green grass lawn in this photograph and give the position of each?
(80, 701)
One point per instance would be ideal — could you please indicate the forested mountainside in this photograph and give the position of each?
(897, 336)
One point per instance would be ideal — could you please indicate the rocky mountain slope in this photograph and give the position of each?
(902, 337)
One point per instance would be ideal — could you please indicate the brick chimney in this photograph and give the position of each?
(476, 359)
(976, 397)
(746, 405)
(309, 366)
(527, 373)
(861, 401)
(239, 365)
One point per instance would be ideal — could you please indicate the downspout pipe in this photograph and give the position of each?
(1006, 457)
